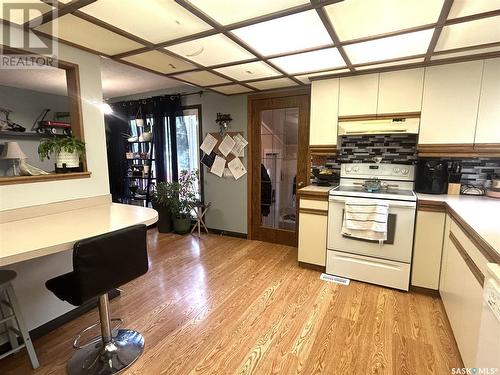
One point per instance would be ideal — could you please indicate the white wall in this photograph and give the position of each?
(228, 196)
(37, 304)
(13, 196)
(26, 106)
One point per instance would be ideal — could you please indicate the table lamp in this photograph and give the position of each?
(12, 151)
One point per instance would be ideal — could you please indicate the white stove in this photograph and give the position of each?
(384, 263)
(397, 181)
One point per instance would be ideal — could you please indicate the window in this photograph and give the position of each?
(182, 144)
(184, 153)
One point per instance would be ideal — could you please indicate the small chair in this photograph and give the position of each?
(200, 210)
(101, 264)
(9, 312)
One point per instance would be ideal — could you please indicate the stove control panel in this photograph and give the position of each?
(401, 172)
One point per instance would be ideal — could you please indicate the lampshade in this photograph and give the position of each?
(11, 150)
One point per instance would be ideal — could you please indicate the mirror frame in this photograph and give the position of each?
(75, 110)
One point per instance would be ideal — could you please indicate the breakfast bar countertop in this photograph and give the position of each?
(480, 213)
(35, 237)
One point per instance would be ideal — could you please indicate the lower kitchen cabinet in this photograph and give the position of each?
(313, 221)
(461, 292)
(427, 249)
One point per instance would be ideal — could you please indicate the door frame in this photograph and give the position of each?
(251, 147)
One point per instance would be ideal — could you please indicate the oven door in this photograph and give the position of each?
(400, 228)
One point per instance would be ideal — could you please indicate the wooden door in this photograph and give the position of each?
(279, 138)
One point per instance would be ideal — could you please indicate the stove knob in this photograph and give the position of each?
(396, 170)
(355, 169)
(348, 169)
(404, 171)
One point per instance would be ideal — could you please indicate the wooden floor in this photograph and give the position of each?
(225, 305)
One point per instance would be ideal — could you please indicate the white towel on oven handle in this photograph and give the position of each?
(365, 219)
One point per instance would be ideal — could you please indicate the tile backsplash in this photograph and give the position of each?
(476, 171)
(400, 149)
(393, 148)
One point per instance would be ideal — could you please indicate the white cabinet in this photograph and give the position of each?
(461, 293)
(324, 112)
(488, 119)
(400, 91)
(450, 103)
(427, 249)
(312, 231)
(358, 95)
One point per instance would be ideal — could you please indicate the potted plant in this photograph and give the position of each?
(184, 199)
(67, 150)
(162, 202)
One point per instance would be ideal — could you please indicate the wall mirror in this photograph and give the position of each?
(37, 105)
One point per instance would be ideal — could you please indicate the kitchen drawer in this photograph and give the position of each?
(376, 271)
(474, 253)
(314, 204)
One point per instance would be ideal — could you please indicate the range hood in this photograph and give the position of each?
(396, 125)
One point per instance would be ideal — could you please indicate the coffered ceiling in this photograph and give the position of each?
(252, 45)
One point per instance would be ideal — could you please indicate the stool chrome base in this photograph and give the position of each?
(111, 358)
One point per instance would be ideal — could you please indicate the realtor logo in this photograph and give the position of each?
(19, 19)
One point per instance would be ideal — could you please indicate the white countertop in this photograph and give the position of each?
(481, 213)
(43, 235)
(316, 189)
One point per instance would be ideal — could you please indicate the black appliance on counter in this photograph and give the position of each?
(431, 177)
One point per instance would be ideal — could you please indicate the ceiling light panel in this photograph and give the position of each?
(486, 30)
(86, 34)
(227, 12)
(462, 8)
(17, 16)
(355, 19)
(231, 89)
(160, 62)
(212, 50)
(286, 34)
(248, 71)
(466, 53)
(390, 48)
(155, 21)
(394, 63)
(202, 78)
(305, 77)
(329, 58)
(273, 84)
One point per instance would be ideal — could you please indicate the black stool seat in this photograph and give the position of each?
(64, 287)
(102, 263)
(7, 276)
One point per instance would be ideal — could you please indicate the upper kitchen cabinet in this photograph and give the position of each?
(400, 91)
(358, 95)
(488, 120)
(324, 112)
(450, 103)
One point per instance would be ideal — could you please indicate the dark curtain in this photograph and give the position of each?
(116, 126)
(164, 110)
(158, 108)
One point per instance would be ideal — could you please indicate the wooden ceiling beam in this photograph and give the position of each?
(217, 26)
(333, 35)
(60, 10)
(443, 16)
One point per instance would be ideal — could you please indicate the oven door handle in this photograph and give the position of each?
(391, 203)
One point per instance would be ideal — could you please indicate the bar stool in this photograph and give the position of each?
(101, 264)
(9, 312)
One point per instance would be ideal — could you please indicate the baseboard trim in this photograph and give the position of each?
(314, 267)
(61, 320)
(223, 232)
(426, 291)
